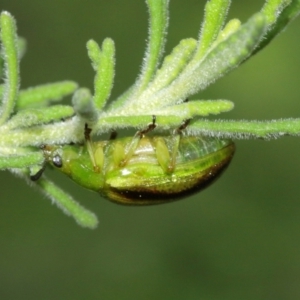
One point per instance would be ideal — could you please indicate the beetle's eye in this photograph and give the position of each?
(57, 161)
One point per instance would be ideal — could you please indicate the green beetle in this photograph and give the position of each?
(144, 170)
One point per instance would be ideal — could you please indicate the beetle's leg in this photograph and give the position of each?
(177, 136)
(149, 128)
(183, 126)
(136, 139)
(89, 144)
(115, 152)
(166, 154)
(162, 152)
(96, 155)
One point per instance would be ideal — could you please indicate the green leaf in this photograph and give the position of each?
(109, 123)
(94, 53)
(246, 129)
(273, 8)
(166, 118)
(279, 14)
(65, 132)
(158, 11)
(222, 58)
(65, 202)
(10, 56)
(21, 161)
(41, 95)
(35, 116)
(214, 18)
(231, 27)
(194, 108)
(103, 63)
(172, 65)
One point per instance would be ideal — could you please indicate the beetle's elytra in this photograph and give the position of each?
(144, 170)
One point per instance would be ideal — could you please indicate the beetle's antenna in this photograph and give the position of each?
(39, 173)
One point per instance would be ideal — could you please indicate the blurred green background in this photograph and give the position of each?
(239, 239)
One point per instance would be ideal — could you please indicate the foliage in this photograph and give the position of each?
(31, 118)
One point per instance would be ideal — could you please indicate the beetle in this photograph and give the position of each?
(143, 170)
